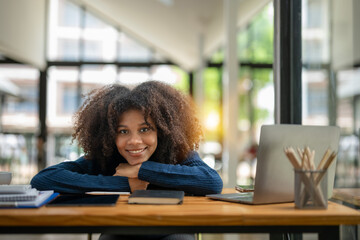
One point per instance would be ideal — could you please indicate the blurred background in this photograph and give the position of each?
(52, 52)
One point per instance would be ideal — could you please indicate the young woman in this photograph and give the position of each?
(144, 138)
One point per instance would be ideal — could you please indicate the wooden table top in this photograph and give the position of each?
(195, 211)
(349, 195)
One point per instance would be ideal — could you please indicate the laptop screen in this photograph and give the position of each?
(274, 180)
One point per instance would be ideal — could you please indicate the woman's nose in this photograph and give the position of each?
(134, 139)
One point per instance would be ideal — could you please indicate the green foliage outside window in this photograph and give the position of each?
(251, 82)
(183, 84)
(212, 104)
(255, 45)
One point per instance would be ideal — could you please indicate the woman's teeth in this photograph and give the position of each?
(136, 151)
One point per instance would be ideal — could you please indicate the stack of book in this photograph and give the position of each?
(24, 196)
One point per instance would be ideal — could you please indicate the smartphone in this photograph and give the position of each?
(244, 188)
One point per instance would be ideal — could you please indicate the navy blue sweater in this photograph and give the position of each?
(192, 176)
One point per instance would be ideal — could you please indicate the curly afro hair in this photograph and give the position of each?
(173, 113)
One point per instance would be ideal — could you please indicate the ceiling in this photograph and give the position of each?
(175, 28)
(183, 31)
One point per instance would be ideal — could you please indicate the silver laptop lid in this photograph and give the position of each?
(274, 180)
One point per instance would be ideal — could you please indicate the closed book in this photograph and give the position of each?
(156, 197)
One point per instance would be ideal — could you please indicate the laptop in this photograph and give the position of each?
(274, 179)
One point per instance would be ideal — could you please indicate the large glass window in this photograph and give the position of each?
(255, 91)
(76, 34)
(255, 41)
(64, 32)
(63, 96)
(212, 104)
(99, 39)
(172, 75)
(68, 13)
(18, 121)
(66, 88)
(331, 90)
(132, 51)
(19, 94)
(256, 107)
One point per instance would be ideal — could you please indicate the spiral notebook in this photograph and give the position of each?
(28, 195)
(42, 198)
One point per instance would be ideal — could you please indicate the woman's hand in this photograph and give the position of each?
(137, 184)
(131, 172)
(127, 170)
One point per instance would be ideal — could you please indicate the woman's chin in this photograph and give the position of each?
(133, 162)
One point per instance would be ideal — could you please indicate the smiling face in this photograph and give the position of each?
(136, 140)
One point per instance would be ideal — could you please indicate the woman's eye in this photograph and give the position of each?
(122, 131)
(144, 130)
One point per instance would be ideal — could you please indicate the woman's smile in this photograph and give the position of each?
(136, 137)
(136, 151)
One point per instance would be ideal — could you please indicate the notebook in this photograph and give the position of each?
(274, 180)
(28, 195)
(43, 197)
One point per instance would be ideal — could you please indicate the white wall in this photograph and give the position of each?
(22, 31)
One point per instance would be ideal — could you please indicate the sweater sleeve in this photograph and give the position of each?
(192, 176)
(76, 177)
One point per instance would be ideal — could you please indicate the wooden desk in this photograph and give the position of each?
(196, 214)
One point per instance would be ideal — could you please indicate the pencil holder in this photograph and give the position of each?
(310, 189)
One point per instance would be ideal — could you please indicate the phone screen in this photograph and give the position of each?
(244, 188)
